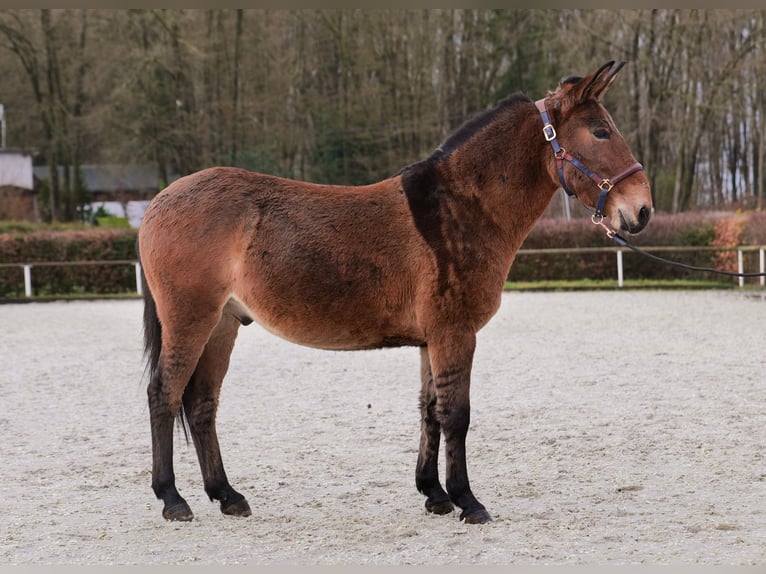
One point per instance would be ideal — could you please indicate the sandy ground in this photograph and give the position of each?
(607, 428)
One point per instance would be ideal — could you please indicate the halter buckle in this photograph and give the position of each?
(605, 185)
(550, 132)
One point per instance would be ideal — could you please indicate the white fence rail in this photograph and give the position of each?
(761, 249)
(27, 267)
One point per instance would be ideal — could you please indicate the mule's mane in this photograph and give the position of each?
(465, 132)
(570, 80)
(420, 176)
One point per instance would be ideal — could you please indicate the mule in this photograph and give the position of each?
(419, 259)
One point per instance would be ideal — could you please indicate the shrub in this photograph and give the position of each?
(728, 232)
(688, 229)
(754, 229)
(52, 246)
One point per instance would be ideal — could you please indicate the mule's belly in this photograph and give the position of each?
(339, 341)
(349, 323)
(337, 333)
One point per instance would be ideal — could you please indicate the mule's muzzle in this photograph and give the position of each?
(634, 225)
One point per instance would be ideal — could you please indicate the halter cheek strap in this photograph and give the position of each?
(604, 184)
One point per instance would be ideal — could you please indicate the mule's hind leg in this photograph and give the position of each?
(182, 344)
(200, 405)
(162, 413)
(427, 472)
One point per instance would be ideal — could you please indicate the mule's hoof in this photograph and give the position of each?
(440, 506)
(178, 513)
(479, 516)
(238, 508)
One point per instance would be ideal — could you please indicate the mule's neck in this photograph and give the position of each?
(506, 167)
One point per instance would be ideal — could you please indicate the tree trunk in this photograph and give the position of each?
(235, 115)
(54, 143)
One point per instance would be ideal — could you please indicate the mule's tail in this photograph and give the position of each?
(153, 342)
(152, 330)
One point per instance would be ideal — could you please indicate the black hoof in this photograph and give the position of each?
(238, 508)
(478, 516)
(439, 506)
(178, 513)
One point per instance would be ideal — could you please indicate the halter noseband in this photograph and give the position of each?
(604, 184)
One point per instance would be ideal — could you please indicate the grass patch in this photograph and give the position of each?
(70, 297)
(611, 284)
(25, 227)
(112, 221)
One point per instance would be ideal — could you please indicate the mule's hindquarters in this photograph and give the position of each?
(187, 358)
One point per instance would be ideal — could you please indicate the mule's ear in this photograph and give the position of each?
(595, 85)
(574, 90)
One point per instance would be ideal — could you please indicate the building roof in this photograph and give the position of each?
(112, 177)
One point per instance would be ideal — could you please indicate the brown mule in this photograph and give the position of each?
(419, 259)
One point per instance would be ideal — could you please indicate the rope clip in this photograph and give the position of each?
(598, 219)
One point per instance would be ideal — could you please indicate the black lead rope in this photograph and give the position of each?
(605, 185)
(624, 243)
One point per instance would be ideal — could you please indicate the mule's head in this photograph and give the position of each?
(588, 138)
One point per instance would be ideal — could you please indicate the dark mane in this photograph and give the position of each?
(470, 127)
(570, 80)
(424, 169)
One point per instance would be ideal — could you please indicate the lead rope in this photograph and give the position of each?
(620, 240)
(605, 186)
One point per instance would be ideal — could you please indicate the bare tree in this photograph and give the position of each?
(348, 96)
(56, 69)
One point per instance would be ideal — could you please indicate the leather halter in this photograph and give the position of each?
(604, 184)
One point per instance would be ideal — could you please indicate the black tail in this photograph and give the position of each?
(153, 343)
(152, 330)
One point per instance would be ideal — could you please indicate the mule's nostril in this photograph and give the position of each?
(643, 216)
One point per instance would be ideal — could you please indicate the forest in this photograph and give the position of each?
(351, 96)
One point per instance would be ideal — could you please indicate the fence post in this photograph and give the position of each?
(740, 267)
(762, 270)
(28, 280)
(139, 287)
(619, 268)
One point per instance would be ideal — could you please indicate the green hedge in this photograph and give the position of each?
(689, 229)
(90, 245)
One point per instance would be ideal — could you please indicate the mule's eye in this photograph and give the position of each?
(602, 134)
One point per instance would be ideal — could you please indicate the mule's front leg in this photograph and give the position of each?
(427, 472)
(451, 362)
